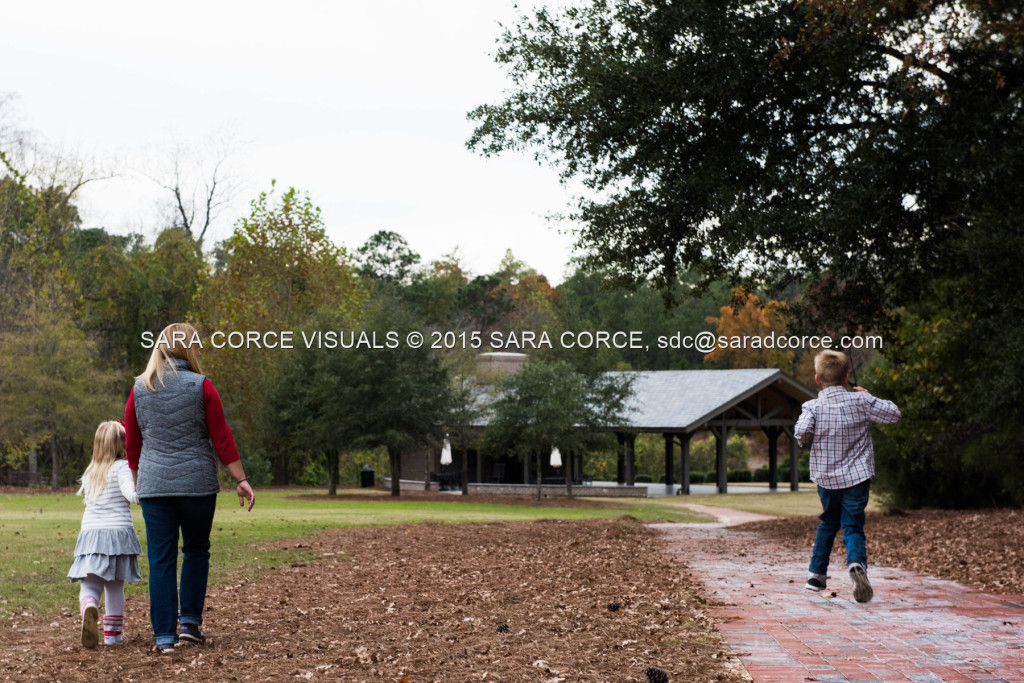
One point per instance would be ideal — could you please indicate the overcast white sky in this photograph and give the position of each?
(361, 104)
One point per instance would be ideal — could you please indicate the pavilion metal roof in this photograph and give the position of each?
(685, 400)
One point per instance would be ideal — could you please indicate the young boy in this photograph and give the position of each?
(836, 425)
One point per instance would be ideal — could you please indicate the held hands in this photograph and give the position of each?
(860, 389)
(245, 493)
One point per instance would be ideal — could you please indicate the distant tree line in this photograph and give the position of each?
(77, 301)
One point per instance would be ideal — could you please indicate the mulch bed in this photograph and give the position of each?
(480, 499)
(983, 548)
(539, 601)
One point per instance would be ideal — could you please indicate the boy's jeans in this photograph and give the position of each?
(164, 516)
(841, 508)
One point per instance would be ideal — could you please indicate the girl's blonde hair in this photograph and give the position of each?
(108, 446)
(178, 340)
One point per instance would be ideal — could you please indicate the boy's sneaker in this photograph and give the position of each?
(192, 634)
(815, 583)
(165, 648)
(91, 627)
(862, 591)
(113, 640)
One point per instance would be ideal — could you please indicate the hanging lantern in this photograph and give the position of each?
(446, 453)
(556, 457)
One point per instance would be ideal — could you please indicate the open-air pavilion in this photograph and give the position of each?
(680, 403)
(676, 404)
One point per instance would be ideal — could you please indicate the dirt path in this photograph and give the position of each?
(541, 601)
(917, 628)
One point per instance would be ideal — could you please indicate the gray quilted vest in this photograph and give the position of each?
(177, 456)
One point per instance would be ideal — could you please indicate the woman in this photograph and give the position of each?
(176, 433)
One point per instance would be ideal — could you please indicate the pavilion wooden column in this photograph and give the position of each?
(479, 467)
(684, 447)
(722, 434)
(794, 460)
(620, 466)
(670, 461)
(630, 459)
(773, 456)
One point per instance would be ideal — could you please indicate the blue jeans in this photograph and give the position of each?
(164, 516)
(841, 508)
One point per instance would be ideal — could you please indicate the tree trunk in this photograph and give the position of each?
(465, 473)
(332, 472)
(55, 465)
(568, 474)
(395, 460)
(426, 470)
(540, 471)
(280, 469)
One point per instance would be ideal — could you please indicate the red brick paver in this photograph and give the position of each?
(917, 628)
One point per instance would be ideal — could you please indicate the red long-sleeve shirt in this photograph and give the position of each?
(220, 433)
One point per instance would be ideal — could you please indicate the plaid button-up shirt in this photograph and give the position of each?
(837, 425)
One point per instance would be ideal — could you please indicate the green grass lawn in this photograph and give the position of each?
(38, 532)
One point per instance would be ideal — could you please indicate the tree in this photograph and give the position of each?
(592, 300)
(398, 397)
(125, 287)
(436, 291)
(748, 317)
(53, 389)
(278, 268)
(305, 404)
(550, 404)
(360, 388)
(773, 142)
(386, 257)
(198, 184)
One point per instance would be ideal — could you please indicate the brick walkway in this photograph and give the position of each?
(917, 628)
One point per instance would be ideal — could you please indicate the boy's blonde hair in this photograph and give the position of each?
(108, 446)
(831, 368)
(174, 342)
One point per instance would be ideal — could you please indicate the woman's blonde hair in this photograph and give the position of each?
(108, 446)
(178, 340)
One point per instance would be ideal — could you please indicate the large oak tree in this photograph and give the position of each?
(866, 150)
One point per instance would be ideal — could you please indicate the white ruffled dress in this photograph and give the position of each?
(107, 543)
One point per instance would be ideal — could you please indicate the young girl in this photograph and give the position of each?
(107, 548)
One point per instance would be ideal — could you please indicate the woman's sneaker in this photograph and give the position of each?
(91, 627)
(191, 633)
(815, 583)
(164, 648)
(862, 591)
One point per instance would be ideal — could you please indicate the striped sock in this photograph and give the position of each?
(86, 601)
(112, 624)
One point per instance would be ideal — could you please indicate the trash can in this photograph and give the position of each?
(366, 477)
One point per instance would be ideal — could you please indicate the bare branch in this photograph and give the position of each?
(933, 69)
(192, 211)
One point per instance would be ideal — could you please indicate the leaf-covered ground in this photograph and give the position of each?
(538, 601)
(982, 548)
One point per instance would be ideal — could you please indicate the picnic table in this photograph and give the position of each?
(448, 481)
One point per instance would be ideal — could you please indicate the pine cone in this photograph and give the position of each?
(503, 628)
(656, 675)
(613, 607)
